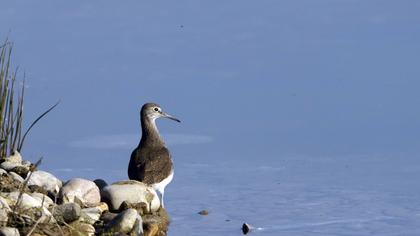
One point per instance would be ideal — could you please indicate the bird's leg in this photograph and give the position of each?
(161, 201)
(160, 192)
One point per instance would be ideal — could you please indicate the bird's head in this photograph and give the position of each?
(153, 111)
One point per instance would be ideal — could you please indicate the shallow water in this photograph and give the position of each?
(353, 195)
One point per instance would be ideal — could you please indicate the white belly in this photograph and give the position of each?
(160, 187)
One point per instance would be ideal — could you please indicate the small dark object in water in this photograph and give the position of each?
(203, 212)
(246, 228)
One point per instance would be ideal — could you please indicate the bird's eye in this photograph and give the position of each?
(156, 109)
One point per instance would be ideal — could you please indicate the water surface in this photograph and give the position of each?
(298, 117)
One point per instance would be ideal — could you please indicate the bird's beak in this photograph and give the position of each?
(169, 116)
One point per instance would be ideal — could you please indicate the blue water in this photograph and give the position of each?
(353, 195)
(288, 195)
(298, 117)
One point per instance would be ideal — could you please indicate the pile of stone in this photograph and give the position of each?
(35, 202)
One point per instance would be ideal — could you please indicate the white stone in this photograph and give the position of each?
(15, 158)
(103, 207)
(7, 165)
(4, 210)
(46, 180)
(17, 177)
(9, 231)
(81, 191)
(90, 215)
(27, 202)
(43, 198)
(26, 163)
(125, 222)
(4, 215)
(4, 204)
(130, 191)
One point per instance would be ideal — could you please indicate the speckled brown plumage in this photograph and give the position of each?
(150, 165)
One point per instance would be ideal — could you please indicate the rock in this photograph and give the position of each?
(100, 183)
(203, 212)
(28, 205)
(4, 204)
(159, 219)
(141, 207)
(131, 192)
(43, 198)
(8, 165)
(67, 212)
(15, 158)
(90, 215)
(21, 170)
(3, 172)
(46, 180)
(125, 222)
(31, 215)
(93, 214)
(9, 231)
(4, 215)
(103, 206)
(246, 228)
(26, 200)
(16, 177)
(78, 228)
(38, 189)
(107, 217)
(151, 229)
(4, 210)
(8, 184)
(26, 163)
(82, 191)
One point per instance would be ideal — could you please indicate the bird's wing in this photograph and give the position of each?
(154, 166)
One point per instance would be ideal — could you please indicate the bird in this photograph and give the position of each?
(151, 161)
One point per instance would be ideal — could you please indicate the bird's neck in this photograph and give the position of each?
(150, 133)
